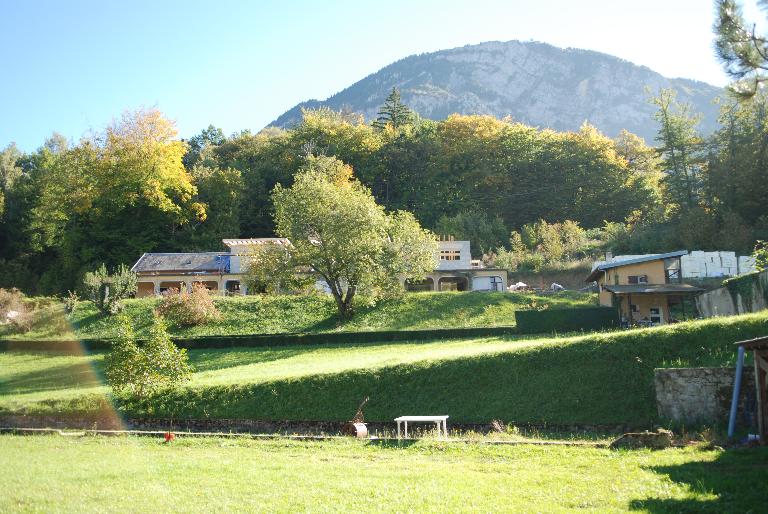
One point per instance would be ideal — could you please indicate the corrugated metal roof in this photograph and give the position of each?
(653, 288)
(216, 262)
(643, 258)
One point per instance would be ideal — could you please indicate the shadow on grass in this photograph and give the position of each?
(738, 478)
(212, 360)
(82, 374)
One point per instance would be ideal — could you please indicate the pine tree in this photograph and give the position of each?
(743, 53)
(394, 112)
(680, 148)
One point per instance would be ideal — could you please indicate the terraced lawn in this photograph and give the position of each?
(593, 379)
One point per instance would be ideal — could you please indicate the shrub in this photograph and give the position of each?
(14, 311)
(188, 309)
(566, 320)
(70, 302)
(143, 371)
(107, 291)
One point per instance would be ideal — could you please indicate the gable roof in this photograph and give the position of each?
(595, 274)
(211, 262)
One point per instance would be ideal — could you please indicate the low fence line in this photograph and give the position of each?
(261, 340)
(159, 433)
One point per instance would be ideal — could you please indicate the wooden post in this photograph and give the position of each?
(629, 309)
(761, 370)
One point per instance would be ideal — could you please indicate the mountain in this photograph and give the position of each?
(534, 83)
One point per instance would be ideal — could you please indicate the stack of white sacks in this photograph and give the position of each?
(698, 264)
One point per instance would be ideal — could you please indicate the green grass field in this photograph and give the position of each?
(603, 378)
(128, 474)
(280, 314)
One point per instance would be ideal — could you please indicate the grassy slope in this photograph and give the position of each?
(96, 474)
(600, 378)
(269, 315)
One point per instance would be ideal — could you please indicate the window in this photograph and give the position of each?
(450, 255)
(634, 308)
(638, 279)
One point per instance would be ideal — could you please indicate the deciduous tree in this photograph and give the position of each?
(337, 230)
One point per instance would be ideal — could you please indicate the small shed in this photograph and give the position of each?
(759, 349)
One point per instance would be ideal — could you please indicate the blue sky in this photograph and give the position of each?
(74, 66)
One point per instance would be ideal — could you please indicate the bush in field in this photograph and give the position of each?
(107, 291)
(141, 371)
(188, 309)
(14, 311)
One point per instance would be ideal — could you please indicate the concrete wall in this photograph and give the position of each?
(725, 302)
(465, 257)
(703, 395)
(698, 264)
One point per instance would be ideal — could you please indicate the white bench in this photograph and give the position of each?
(440, 421)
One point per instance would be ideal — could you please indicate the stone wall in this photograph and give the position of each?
(751, 295)
(703, 395)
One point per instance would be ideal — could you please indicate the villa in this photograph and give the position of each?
(223, 272)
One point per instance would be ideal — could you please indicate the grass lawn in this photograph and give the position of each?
(604, 378)
(129, 474)
(280, 314)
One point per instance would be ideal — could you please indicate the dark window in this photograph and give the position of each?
(638, 279)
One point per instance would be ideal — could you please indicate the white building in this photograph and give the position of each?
(223, 271)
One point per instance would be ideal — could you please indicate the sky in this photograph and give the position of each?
(74, 66)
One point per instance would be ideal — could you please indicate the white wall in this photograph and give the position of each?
(465, 257)
(699, 264)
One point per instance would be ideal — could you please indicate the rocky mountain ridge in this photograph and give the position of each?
(534, 83)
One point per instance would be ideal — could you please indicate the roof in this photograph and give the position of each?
(216, 262)
(653, 289)
(636, 260)
(254, 241)
(758, 343)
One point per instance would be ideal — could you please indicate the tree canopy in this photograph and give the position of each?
(338, 231)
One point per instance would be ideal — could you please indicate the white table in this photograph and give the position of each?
(440, 421)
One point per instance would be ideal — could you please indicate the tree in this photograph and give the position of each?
(742, 51)
(272, 270)
(111, 198)
(760, 254)
(338, 231)
(208, 137)
(9, 173)
(679, 149)
(107, 291)
(142, 371)
(393, 113)
(484, 233)
(220, 192)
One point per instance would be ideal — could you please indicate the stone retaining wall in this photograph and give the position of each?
(703, 395)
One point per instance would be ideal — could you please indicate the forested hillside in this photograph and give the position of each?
(512, 189)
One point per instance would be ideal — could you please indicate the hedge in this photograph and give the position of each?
(257, 340)
(566, 320)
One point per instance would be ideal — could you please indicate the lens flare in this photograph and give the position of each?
(55, 379)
